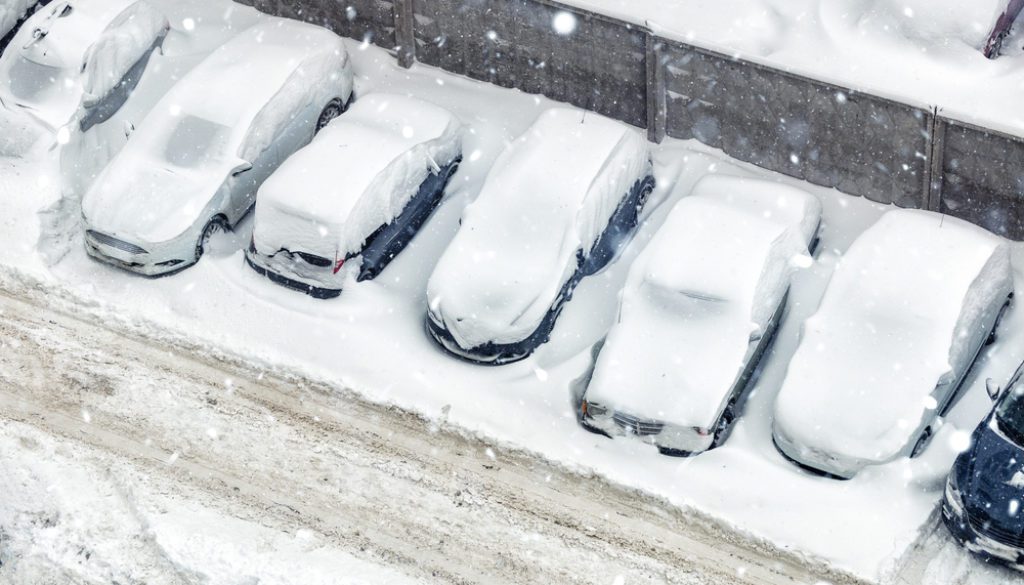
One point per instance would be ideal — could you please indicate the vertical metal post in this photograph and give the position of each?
(936, 160)
(656, 97)
(405, 36)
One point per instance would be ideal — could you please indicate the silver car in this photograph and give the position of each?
(195, 163)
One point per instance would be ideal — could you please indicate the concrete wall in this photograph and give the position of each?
(512, 43)
(826, 134)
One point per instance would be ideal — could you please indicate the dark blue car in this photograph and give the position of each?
(984, 502)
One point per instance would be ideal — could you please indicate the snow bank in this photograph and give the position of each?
(549, 194)
(126, 40)
(11, 11)
(898, 318)
(357, 175)
(696, 297)
(928, 22)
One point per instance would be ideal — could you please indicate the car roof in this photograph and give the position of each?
(248, 70)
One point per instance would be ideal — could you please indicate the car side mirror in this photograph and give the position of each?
(242, 167)
(992, 388)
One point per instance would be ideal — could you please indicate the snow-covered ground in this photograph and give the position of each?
(372, 338)
(923, 52)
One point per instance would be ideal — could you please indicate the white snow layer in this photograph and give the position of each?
(898, 318)
(11, 11)
(263, 77)
(358, 174)
(701, 292)
(549, 194)
(126, 40)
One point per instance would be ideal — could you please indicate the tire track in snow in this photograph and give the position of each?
(377, 481)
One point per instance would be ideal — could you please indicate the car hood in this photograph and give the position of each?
(141, 201)
(990, 476)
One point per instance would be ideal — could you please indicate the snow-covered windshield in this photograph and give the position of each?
(195, 142)
(30, 80)
(1010, 414)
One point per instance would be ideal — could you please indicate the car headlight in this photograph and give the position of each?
(953, 497)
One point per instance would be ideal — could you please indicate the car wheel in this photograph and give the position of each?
(724, 423)
(641, 201)
(922, 442)
(211, 227)
(332, 110)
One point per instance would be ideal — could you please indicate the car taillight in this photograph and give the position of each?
(700, 431)
(337, 265)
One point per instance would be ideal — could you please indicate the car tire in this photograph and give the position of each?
(724, 424)
(332, 110)
(211, 227)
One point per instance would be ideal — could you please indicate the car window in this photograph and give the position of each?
(1010, 414)
(29, 79)
(195, 142)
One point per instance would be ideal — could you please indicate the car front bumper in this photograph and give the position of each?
(150, 260)
(961, 527)
(670, 438)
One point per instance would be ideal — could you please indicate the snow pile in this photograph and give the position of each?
(549, 195)
(126, 40)
(357, 175)
(11, 11)
(897, 319)
(928, 22)
(696, 297)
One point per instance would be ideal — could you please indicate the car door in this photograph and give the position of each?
(246, 179)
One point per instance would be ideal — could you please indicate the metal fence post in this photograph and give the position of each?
(405, 37)
(936, 160)
(656, 97)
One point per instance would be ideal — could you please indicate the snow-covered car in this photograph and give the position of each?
(984, 490)
(903, 319)
(556, 207)
(13, 14)
(361, 190)
(700, 308)
(79, 59)
(195, 163)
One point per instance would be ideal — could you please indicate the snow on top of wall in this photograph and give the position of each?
(922, 52)
(890, 328)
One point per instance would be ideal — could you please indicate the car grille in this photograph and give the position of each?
(116, 243)
(639, 427)
(313, 259)
(984, 526)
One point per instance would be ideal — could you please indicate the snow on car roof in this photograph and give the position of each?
(358, 174)
(903, 309)
(692, 303)
(68, 29)
(771, 200)
(550, 193)
(248, 70)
